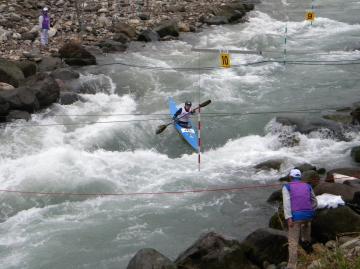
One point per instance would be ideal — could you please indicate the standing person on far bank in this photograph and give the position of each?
(44, 24)
(299, 209)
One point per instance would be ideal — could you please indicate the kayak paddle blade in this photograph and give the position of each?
(160, 129)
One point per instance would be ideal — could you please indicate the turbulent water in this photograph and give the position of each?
(125, 156)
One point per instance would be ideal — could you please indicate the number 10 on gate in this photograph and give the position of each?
(225, 60)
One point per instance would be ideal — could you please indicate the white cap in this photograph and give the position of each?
(45, 9)
(295, 173)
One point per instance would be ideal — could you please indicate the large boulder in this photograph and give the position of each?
(345, 191)
(213, 251)
(109, 45)
(267, 244)
(167, 28)
(310, 176)
(123, 28)
(6, 87)
(75, 54)
(276, 196)
(68, 98)
(216, 20)
(233, 12)
(49, 64)
(18, 115)
(28, 68)
(351, 172)
(150, 259)
(270, 164)
(65, 74)
(148, 36)
(4, 108)
(21, 99)
(10, 73)
(328, 223)
(305, 126)
(45, 88)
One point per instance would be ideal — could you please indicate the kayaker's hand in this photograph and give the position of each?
(290, 222)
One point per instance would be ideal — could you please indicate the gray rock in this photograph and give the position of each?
(49, 64)
(346, 192)
(108, 46)
(125, 29)
(213, 251)
(75, 54)
(150, 259)
(10, 73)
(30, 36)
(4, 108)
(45, 88)
(28, 68)
(167, 28)
(122, 38)
(18, 115)
(68, 98)
(148, 36)
(267, 245)
(270, 164)
(216, 20)
(21, 99)
(328, 223)
(276, 196)
(65, 74)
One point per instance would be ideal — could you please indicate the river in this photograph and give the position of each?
(125, 156)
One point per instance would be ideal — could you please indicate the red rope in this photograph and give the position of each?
(143, 193)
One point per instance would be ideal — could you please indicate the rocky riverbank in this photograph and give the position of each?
(108, 24)
(335, 234)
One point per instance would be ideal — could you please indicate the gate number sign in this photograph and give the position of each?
(310, 16)
(225, 60)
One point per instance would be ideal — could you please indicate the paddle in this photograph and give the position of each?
(162, 128)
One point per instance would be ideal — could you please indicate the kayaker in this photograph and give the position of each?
(299, 209)
(183, 115)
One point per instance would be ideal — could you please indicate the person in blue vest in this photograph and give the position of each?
(299, 209)
(183, 115)
(44, 24)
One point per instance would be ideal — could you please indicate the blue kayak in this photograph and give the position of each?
(189, 134)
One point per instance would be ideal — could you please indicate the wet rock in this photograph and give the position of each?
(45, 88)
(213, 251)
(355, 154)
(306, 126)
(150, 259)
(275, 197)
(10, 73)
(346, 192)
(122, 38)
(351, 172)
(144, 17)
(123, 28)
(167, 28)
(328, 223)
(355, 114)
(49, 64)
(65, 74)
(270, 164)
(148, 36)
(75, 54)
(233, 12)
(267, 244)
(21, 99)
(18, 115)
(108, 46)
(28, 68)
(4, 108)
(68, 98)
(216, 20)
(30, 36)
(305, 167)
